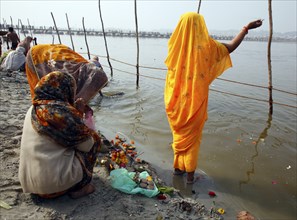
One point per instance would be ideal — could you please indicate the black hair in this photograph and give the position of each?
(10, 29)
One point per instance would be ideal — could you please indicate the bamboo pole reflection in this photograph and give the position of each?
(251, 171)
(137, 129)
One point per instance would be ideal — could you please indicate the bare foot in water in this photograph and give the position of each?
(86, 190)
(190, 178)
(178, 172)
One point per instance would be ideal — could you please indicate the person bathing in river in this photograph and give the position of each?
(13, 37)
(58, 151)
(194, 60)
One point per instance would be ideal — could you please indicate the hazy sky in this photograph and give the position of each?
(153, 15)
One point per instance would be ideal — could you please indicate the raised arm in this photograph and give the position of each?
(235, 42)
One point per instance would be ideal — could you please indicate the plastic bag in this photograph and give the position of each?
(122, 180)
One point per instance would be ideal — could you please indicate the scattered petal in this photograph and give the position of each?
(221, 211)
(254, 142)
(274, 182)
(239, 140)
(288, 167)
(212, 193)
(161, 197)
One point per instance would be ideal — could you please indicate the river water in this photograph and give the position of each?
(249, 155)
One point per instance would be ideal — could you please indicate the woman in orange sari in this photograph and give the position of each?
(194, 60)
(45, 58)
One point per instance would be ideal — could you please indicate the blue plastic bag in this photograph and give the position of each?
(122, 180)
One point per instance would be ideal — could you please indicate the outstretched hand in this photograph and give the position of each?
(254, 24)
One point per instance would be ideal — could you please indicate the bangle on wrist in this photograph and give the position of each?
(245, 28)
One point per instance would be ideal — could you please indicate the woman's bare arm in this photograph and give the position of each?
(236, 41)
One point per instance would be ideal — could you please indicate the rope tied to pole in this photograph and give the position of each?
(222, 79)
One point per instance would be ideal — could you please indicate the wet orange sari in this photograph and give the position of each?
(194, 60)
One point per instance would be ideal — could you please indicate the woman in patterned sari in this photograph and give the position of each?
(58, 151)
(194, 60)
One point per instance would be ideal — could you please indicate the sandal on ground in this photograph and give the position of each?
(178, 172)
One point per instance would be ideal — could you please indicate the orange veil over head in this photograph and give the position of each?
(194, 60)
(43, 59)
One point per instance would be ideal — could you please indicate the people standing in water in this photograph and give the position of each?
(194, 60)
(13, 37)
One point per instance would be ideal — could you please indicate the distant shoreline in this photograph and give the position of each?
(31, 30)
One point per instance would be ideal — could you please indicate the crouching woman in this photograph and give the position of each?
(58, 151)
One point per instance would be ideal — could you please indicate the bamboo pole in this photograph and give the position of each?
(199, 6)
(56, 28)
(70, 32)
(7, 40)
(11, 24)
(83, 22)
(269, 57)
(107, 54)
(23, 28)
(30, 27)
(19, 27)
(4, 23)
(137, 41)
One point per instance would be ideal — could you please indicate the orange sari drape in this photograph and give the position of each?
(194, 60)
(45, 58)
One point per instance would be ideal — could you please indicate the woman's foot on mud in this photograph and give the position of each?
(86, 190)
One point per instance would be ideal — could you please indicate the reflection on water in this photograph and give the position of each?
(136, 128)
(261, 137)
